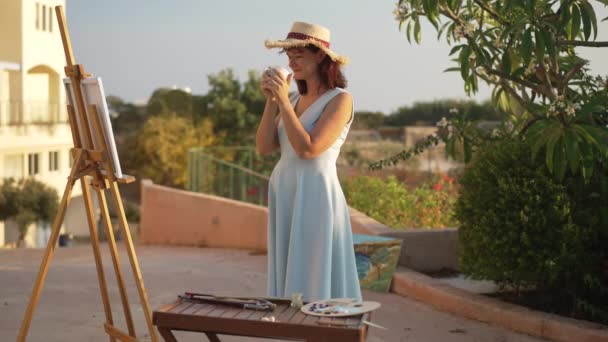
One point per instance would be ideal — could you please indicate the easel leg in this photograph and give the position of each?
(115, 260)
(143, 296)
(103, 288)
(46, 260)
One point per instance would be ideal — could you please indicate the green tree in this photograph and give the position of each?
(234, 108)
(27, 202)
(526, 51)
(170, 102)
(126, 117)
(429, 113)
(368, 120)
(160, 150)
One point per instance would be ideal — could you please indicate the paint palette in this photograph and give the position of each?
(339, 307)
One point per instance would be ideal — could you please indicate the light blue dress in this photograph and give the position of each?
(310, 242)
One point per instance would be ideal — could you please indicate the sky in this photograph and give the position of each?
(137, 46)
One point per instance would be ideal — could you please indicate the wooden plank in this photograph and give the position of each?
(298, 317)
(244, 314)
(168, 307)
(180, 307)
(193, 308)
(218, 311)
(286, 315)
(167, 335)
(205, 310)
(103, 207)
(231, 312)
(65, 37)
(112, 331)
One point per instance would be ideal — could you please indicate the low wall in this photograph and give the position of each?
(182, 218)
(428, 249)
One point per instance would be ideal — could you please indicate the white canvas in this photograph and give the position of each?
(93, 94)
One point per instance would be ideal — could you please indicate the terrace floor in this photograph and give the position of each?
(70, 307)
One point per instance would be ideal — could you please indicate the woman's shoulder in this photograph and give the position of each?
(341, 94)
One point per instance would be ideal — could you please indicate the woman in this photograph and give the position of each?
(310, 247)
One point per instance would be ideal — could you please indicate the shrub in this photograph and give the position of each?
(523, 229)
(383, 200)
(430, 205)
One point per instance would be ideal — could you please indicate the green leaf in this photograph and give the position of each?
(540, 46)
(551, 141)
(526, 46)
(452, 69)
(468, 151)
(575, 23)
(443, 27)
(409, 31)
(417, 34)
(586, 22)
(456, 48)
(572, 152)
(592, 18)
(506, 63)
(464, 62)
(531, 6)
(549, 42)
(559, 159)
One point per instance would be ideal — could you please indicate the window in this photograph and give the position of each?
(37, 16)
(43, 17)
(50, 20)
(32, 164)
(13, 166)
(53, 160)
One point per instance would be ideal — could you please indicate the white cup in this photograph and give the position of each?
(279, 70)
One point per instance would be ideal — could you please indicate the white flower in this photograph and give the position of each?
(401, 11)
(570, 111)
(530, 69)
(495, 133)
(509, 126)
(443, 123)
(469, 28)
(453, 111)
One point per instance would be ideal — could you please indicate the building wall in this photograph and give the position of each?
(33, 118)
(10, 31)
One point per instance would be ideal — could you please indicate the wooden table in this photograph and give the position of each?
(290, 323)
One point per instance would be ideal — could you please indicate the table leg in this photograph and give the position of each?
(167, 335)
(212, 337)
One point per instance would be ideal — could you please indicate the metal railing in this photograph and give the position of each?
(32, 112)
(228, 172)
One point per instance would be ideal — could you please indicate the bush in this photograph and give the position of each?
(523, 229)
(382, 200)
(388, 201)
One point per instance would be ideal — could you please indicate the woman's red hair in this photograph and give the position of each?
(331, 75)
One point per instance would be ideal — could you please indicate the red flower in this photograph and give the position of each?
(438, 187)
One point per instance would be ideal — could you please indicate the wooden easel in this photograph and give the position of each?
(88, 162)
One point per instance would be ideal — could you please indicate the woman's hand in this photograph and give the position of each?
(264, 85)
(278, 86)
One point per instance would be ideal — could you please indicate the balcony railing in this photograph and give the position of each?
(14, 113)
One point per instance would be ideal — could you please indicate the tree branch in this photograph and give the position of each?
(525, 83)
(491, 12)
(576, 68)
(582, 43)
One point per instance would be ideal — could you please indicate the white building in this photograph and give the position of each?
(35, 137)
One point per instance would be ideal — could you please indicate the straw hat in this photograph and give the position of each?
(302, 34)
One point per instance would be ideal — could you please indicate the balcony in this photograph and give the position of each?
(18, 113)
